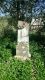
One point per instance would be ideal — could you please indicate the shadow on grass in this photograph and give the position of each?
(40, 39)
(9, 40)
(13, 49)
(8, 32)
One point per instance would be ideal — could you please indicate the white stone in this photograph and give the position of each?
(20, 23)
(29, 55)
(23, 34)
(24, 52)
(19, 35)
(23, 47)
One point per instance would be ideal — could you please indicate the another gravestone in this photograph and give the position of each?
(22, 48)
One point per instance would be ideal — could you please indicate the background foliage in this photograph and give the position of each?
(11, 68)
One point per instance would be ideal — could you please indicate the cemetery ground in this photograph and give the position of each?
(13, 69)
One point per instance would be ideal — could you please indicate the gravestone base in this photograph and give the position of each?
(22, 51)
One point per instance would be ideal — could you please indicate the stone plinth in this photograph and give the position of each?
(22, 49)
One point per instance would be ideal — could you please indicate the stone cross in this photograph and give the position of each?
(22, 48)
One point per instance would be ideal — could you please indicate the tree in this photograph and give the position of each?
(18, 9)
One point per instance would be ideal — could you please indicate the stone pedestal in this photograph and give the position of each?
(22, 48)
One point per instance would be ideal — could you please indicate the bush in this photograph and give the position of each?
(5, 54)
(7, 48)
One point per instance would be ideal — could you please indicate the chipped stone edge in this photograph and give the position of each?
(22, 57)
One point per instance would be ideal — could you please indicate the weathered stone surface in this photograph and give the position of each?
(23, 34)
(22, 24)
(22, 48)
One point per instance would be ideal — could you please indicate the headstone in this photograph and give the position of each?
(22, 48)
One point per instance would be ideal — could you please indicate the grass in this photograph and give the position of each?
(38, 61)
(16, 70)
(13, 69)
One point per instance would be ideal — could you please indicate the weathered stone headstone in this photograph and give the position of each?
(22, 48)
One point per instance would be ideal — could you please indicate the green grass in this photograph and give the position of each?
(13, 69)
(16, 70)
(38, 61)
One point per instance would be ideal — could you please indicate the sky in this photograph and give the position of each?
(37, 8)
(40, 5)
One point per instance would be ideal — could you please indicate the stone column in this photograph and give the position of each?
(22, 48)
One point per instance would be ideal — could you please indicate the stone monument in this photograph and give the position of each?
(22, 48)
